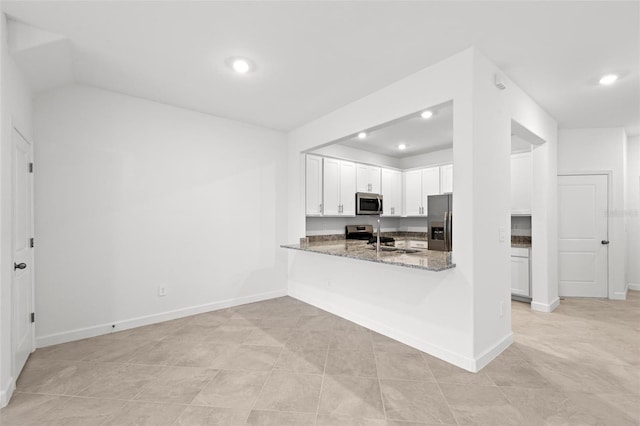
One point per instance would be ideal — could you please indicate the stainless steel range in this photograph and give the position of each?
(365, 233)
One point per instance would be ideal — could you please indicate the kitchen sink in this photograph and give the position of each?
(395, 249)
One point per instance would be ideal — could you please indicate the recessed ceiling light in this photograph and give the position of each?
(362, 135)
(608, 79)
(240, 65)
(426, 114)
(402, 146)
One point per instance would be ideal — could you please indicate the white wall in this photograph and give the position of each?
(435, 312)
(595, 150)
(132, 194)
(632, 212)
(433, 158)
(540, 126)
(15, 111)
(358, 155)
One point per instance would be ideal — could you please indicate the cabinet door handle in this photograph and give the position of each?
(320, 208)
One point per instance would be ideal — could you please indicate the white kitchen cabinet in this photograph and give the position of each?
(446, 178)
(520, 274)
(521, 183)
(313, 185)
(413, 193)
(391, 192)
(367, 178)
(339, 188)
(419, 184)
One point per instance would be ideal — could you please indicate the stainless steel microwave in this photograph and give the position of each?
(367, 203)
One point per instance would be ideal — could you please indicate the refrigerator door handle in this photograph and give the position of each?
(446, 230)
(449, 228)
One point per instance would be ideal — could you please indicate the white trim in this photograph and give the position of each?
(634, 287)
(7, 392)
(543, 307)
(619, 295)
(98, 330)
(469, 364)
(490, 354)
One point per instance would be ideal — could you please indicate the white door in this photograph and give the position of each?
(348, 187)
(331, 187)
(22, 291)
(583, 235)
(313, 185)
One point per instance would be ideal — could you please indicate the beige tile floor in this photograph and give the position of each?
(282, 362)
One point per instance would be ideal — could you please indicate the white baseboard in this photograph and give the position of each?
(543, 307)
(456, 359)
(619, 295)
(491, 353)
(634, 287)
(7, 392)
(101, 329)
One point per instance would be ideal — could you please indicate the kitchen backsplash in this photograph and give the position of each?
(521, 226)
(336, 225)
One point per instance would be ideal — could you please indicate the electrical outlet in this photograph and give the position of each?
(501, 309)
(502, 234)
(162, 290)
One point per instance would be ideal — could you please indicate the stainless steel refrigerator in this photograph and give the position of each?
(439, 216)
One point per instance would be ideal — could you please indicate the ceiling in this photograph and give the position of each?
(313, 57)
(418, 134)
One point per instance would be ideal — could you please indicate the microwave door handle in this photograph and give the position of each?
(379, 205)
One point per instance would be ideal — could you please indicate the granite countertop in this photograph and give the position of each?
(521, 245)
(429, 260)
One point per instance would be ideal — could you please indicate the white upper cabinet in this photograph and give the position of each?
(391, 192)
(413, 193)
(446, 178)
(313, 185)
(418, 185)
(368, 178)
(339, 188)
(521, 183)
(348, 188)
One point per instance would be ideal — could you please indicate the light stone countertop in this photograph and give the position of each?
(429, 260)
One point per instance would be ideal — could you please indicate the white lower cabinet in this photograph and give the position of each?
(520, 272)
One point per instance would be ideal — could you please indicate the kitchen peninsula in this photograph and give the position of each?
(429, 260)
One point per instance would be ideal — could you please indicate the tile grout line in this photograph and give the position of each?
(453, 413)
(263, 386)
(324, 372)
(375, 360)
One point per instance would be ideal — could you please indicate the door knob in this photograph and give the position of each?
(604, 242)
(19, 266)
